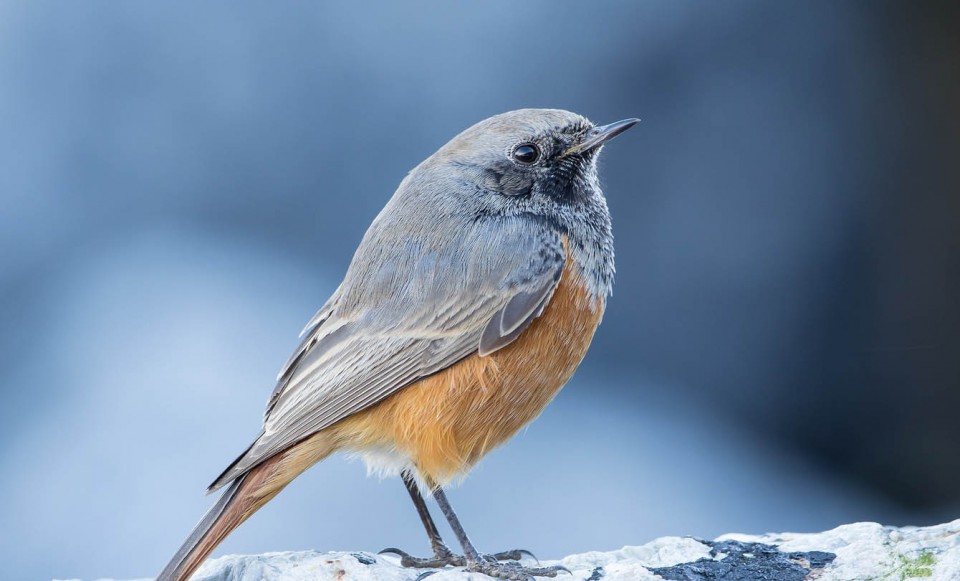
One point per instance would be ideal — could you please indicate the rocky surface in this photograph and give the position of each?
(855, 552)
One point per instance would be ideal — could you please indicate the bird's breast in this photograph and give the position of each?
(443, 424)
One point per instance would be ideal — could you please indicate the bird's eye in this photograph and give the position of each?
(526, 153)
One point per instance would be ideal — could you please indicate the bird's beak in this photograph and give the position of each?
(599, 135)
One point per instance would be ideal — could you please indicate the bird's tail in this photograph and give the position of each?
(241, 499)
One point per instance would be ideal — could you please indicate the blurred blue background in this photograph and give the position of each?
(183, 184)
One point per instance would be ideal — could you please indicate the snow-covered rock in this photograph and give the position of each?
(855, 552)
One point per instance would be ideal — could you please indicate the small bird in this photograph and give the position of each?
(471, 300)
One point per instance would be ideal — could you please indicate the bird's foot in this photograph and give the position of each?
(511, 570)
(443, 557)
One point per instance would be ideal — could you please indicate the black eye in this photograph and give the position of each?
(526, 153)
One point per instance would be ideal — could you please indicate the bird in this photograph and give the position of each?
(470, 301)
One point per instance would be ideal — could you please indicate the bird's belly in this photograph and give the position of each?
(446, 422)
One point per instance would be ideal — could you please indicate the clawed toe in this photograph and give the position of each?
(513, 571)
(514, 555)
(442, 558)
(503, 565)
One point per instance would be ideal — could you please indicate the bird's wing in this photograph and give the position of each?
(404, 311)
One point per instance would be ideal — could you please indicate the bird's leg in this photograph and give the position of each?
(490, 565)
(442, 555)
(440, 550)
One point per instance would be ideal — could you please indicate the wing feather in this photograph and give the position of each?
(515, 317)
(380, 332)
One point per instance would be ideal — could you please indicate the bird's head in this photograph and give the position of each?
(525, 159)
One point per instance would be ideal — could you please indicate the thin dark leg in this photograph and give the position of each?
(468, 549)
(436, 541)
(489, 564)
(442, 555)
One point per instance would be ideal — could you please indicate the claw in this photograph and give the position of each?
(441, 559)
(513, 571)
(514, 555)
(504, 565)
(529, 554)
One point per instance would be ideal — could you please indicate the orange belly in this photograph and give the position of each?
(446, 422)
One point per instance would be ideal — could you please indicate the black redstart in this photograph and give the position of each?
(471, 300)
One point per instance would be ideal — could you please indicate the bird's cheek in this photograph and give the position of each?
(516, 184)
(507, 183)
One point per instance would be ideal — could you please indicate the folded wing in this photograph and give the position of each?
(405, 311)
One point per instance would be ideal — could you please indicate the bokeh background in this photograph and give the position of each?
(182, 184)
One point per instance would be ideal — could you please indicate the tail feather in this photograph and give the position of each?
(232, 471)
(241, 499)
(188, 556)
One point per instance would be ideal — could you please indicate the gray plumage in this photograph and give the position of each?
(461, 260)
(467, 254)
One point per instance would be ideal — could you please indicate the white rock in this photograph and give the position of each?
(847, 553)
(872, 551)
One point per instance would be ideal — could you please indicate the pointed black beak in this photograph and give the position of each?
(599, 135)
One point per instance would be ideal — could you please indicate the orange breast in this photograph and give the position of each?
(446, 422)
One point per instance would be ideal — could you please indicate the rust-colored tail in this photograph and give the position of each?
(244, 496)
(240, 500)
